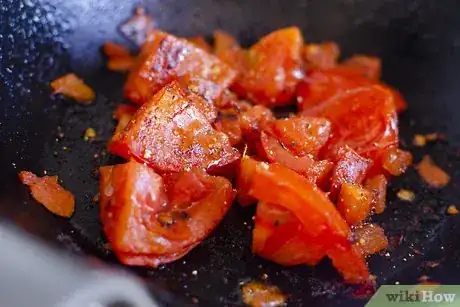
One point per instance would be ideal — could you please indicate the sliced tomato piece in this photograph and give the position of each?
(243, 181)
(284, 242)
(273, 151)
(229, 123)
(165, 58)
(227, 48)
(273, 68)
(377, 185)
(364, 119)
(303, 135)
(367, 66)
(396, 161)
(370, 239)
(321, 85)
(173, 132)
(322, 222)
(354, 203)
(323, 56)
(350, 168)
(254, 120)
(144, 226)
(47, 191)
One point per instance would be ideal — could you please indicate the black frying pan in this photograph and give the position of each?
(418, 41)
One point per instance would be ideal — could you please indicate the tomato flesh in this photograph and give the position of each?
(149, 222)
(173, 132)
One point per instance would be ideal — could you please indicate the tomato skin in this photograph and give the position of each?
(350, 168)
(145, 225)
(377, 185)
(230, 125)
(228, 50)
(244, 177)
(273, 151)
(364, 119)
(320, 85)
(278, 236)
(173, 133)
(354, 203)
(303, 135)
(322, 55)
(254, 120)
(164, 58)
(273, 68)
(323, 225)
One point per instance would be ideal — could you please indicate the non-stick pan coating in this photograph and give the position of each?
(419, 42)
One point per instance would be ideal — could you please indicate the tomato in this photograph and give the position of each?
(71, 86)
(350, 168)
(165, 58)
(173, 133)
(243, 180)
(322, 223)
(114, 50)
(254, 120)
(303, 135)
(370, 239)
(321, 85)
(278, 236)
(227, 49)
(377, 185)
(354, 203)
(229, 124)
(369, 67)
(47, 191)
(149, 222)
(396, 161)
(273, 151)
(322, 55)
(273, 68)
(363, 118)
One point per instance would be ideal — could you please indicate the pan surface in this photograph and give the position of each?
(418, 41)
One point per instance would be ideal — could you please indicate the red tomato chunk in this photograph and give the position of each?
(150, 220)
(173, 133)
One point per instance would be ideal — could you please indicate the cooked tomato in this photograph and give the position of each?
(229, 124)
(72, 86)
(396, 161)
(173, 133)
(432, 174)
(322, 55)
(322, 223)
(364, 119)
(350, 168)
(123, 110)
(227, 48)
(273, 68)
(114, 50)
(370, 239)
(303, 135)
(273, 151)
(321, 85)
(147, 225)
(47, 191)
(377, 185)
(278, 236)
(354, 203)
(165, 58)
(254, 120)
(243, 180)
(367, 66)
